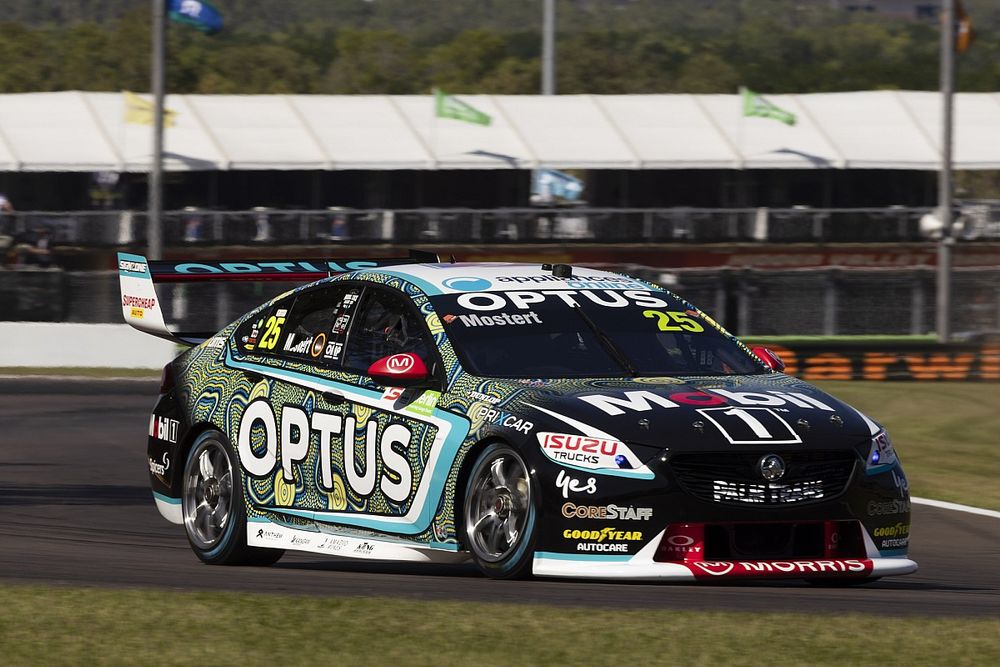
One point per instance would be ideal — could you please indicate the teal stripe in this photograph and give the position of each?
(611, 472)
(594, 558)
(167, 499)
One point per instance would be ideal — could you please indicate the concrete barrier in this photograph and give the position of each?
(47, 344)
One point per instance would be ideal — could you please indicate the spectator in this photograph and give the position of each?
(5, 205)
(38, 252)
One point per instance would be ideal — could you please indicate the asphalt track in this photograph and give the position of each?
(75, 509)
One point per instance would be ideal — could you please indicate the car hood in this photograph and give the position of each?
(698, 413)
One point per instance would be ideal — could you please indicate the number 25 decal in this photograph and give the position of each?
(751, 426)
(682, 321)
(272, 330)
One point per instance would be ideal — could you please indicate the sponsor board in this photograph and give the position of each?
(607, 512)
(587, 452)
(711, 569)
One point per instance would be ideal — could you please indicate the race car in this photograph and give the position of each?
(541, 419)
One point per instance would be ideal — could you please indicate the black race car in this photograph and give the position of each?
(543, 419)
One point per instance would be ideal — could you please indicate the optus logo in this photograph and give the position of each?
(467, 284)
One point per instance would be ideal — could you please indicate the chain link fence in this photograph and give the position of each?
(262, 226)
(825, 301)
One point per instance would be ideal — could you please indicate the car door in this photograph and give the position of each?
(288, 428)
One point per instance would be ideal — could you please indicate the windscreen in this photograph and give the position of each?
(586, 333)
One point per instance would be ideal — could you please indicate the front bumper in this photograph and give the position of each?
(648, 564)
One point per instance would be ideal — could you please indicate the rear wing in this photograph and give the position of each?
(138, 277)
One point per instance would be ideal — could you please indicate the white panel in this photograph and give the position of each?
(457, 144)
(568, 131)
(186, 145)
(47, 344)
(765, 143)
(362, 132)
(259, 131)
(669, 131)
(872, 130)
(54, 132)
(976, 137)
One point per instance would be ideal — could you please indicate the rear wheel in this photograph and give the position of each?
(500, 514)
(214, 511)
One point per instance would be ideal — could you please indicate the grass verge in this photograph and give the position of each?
(45, 626)
(944, 432)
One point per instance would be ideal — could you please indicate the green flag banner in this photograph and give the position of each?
(756, 105)
(448, 106)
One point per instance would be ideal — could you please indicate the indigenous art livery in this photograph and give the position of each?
(547, 420)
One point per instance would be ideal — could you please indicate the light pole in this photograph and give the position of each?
(155, 184)
(549, 48)
(947, 242)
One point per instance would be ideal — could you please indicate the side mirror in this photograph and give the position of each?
(399, 370)
(770, 358)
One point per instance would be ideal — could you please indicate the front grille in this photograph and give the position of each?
(732, 478)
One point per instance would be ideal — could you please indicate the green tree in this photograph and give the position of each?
(465, 62)
(373, 62)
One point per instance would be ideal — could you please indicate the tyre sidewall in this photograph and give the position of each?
(517, 564)
(232, 545)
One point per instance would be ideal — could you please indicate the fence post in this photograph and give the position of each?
(830, 303)
(917, 304)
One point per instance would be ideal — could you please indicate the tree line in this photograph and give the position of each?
(490, 46)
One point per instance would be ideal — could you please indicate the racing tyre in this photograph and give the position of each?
(212, 502)
(500, 514)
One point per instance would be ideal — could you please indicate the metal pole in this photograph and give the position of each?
(944, 258)
(549, 48)
(155, 193)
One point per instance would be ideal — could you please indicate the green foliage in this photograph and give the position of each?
(489, 46)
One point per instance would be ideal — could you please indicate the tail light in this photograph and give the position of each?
(166, 380)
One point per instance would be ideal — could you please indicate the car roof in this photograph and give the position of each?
(436, 279)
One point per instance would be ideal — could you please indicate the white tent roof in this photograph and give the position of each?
(78, 131)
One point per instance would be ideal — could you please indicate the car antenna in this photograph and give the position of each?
(562, 270)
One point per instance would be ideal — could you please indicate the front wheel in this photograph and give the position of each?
(500, 514)
(215, 516)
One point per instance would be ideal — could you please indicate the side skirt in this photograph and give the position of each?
(265, 533)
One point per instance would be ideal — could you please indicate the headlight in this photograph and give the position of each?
(881, 455)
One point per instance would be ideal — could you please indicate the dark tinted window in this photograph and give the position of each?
(587, 333)
(312, 326)
(387, 325)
